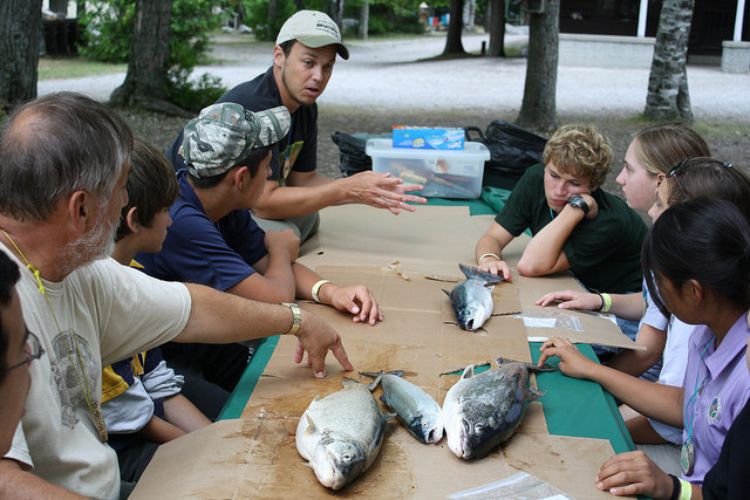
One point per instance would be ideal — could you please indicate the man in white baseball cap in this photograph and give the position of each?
(303, 61)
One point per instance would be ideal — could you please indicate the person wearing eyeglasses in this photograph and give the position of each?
(64, 162)
(698, 255)
(18, 348)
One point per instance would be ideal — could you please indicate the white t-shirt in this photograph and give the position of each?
(114, 312)
(674, 358)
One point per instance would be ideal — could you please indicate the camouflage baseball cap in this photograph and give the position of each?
(312, 29)
(225, 133)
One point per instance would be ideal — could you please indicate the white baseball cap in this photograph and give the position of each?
(312, 29)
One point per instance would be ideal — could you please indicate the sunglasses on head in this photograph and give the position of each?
(678, 167)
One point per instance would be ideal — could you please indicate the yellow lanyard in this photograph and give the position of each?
(94, 411)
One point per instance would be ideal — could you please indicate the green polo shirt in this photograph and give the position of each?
(604, 252)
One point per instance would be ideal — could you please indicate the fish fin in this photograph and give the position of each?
(459, 371)
(388, 416)
(311, 428)
(397, 373)
(468, 372)
(535, 394)
(346, 381)
(529, 366)
(474, 272)
(375, 382)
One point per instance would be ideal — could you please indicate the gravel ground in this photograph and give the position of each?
(399, 81)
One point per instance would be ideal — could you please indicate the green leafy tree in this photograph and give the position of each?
(111, 35)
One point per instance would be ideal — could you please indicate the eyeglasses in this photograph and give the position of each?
(35, 351)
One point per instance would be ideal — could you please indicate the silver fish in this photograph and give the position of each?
(340, 435)
(472, 299)
(419, 413)
(482, 410)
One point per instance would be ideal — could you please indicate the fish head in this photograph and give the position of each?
(427, 429)
(472, 315)
(472, 434)
(479, 437)
(338, 462)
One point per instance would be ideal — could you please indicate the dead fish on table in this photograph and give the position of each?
(482, 410)
(472, 299)
(340, 435)
(419, 413)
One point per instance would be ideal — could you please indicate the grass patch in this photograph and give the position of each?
(52, 68)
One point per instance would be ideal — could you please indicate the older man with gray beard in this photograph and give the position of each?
(63, 168)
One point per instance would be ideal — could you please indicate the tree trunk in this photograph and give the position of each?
(20, 26)
(273, 11)
(453, 44)
(364, 19)
(146, 82)
(337, 13)
(668, 98)
(496, 26)
(539, 108)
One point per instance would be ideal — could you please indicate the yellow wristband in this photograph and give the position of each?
(488, 254)
(606, 302)
(686, 490)
(316, 290)
(296, 318)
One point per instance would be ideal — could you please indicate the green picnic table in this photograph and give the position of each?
(572, 407)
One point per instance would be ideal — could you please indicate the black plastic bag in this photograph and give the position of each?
(352, 152)
(512, 150)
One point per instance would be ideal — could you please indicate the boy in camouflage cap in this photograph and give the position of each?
(213, 239)
(225, 133)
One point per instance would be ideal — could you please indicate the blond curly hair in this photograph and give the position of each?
(581, 151)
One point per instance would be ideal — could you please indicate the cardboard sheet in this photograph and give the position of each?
(256, 455)
(433, 240)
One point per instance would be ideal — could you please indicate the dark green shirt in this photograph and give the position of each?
(604, 252)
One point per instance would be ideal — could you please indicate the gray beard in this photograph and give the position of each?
(98, 243)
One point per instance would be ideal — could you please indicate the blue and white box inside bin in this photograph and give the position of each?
(428, 138)
(443, 173)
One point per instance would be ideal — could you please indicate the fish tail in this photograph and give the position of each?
(474, 272)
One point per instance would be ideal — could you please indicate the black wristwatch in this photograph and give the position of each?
(577, 201)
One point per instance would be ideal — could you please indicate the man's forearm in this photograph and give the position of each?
(284, 202)
(19, 484)
(217, 318)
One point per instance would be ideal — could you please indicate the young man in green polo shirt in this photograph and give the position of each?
(576, 226)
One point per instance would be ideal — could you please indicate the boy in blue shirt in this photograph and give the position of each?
(213, 239)
(141, 400)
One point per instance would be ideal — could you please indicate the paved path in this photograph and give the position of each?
(387, 73)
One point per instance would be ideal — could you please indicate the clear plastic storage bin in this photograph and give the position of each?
(444, 174)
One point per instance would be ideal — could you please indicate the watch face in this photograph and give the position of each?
(577, 201)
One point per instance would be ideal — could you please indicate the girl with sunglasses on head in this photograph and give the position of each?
(698, 255)
(649, 158)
